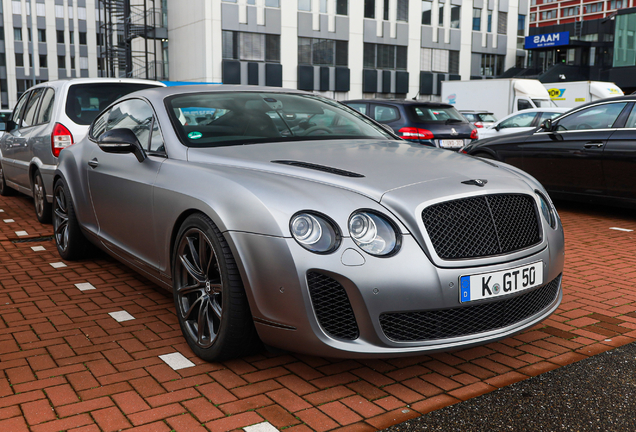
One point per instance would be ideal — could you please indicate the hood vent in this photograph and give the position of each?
(323, 168)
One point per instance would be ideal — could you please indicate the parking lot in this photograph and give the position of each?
(67, 364)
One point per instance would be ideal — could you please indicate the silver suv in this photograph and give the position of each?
(47, 118)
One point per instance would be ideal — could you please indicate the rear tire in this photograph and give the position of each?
(209, 297)
(4, 189)
(42, 208)
(69, 239)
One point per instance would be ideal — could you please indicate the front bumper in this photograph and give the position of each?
(274, 271)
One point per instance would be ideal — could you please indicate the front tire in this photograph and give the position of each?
(4, 189)
(42, 207)
(69, 240)
(209, 297)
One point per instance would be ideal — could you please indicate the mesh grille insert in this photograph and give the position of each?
(332, 306)
(482, 226)
(462, 321)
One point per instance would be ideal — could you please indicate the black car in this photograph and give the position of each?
(587, 154)
(429, 123)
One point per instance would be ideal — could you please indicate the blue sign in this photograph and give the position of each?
(547, 40)
(465, 288)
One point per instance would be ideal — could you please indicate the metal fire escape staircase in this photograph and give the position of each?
(130, 34)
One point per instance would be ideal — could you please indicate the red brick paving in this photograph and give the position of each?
(66, 364)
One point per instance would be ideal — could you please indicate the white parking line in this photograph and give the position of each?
(261, 427)
(176, 361)
(57, 265)
(121, 316)
(621, 229)
(85, 286)
(21, 233)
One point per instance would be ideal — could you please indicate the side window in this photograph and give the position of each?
(519, 120)
(385, 114)
(46, 106)
(99, 126)
(548, 115)
(133, 114)
(631, 120)
(358, 107)
(32, 108)
(596, 117)
(19, 109)
(523, 104)
(156, 139)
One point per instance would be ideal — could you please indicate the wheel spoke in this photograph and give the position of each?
(186, 314)
(216, 307)
(216, 288)
(189, 289)
(192, 271)
(203, 322)
(203, 253)
(196, 260)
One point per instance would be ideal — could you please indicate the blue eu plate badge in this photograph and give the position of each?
(465, 288)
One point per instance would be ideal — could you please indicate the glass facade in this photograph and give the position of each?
(624, 41)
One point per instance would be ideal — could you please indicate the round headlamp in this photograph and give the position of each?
(314, 232)
(373, 233)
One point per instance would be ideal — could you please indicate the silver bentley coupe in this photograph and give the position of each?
(285, 218)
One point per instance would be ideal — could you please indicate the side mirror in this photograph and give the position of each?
(498, 127)
(547, 125)
(10, 125)
(121, 141)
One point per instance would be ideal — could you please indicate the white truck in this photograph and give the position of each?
(499, 96)
(572, 94)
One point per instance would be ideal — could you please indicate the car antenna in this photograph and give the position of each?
(415, 97)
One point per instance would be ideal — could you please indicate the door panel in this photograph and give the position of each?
(619, 160)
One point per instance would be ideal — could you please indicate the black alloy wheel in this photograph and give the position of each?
(211, 304)
(69, 240)
(4, 189)
(42, 207)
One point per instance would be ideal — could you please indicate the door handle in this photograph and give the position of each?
(93, 163)
(594, 144)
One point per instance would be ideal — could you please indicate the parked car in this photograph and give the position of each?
(5, 116)
(587, 154)
(429, 123)
(47, 118)
(525, 120)
(298, 220)
(479, 119)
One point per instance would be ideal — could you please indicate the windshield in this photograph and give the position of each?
(85, 101)
(544, 103)
(487, 117)
(425, 113)
(221, 119)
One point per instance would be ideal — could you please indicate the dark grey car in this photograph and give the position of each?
(288, 217)
(47, 118)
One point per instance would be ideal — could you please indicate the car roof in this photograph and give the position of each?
(401, 102)
(475, 112)
(74, 81)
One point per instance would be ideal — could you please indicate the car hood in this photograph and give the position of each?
(370, 167)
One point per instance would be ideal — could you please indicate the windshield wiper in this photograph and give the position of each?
(452, 120)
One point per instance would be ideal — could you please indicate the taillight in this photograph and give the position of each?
(473, 134)
(415, 133)
(479, 124)
(60, 139)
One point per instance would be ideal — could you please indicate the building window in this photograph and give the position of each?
(533, 17)
(595, 7)
(17, 34)
(342, 7)
(323, 52)
(43, 61)
(81, 13)
(19, 60)
(304, 5)
(492, 65)
(40, 9)
(476, 19)
(60, 36)
(402, 10)
(83, 63)
(16, 7)
(381, 56)
(61, 62)
(489, 22)
(59, 11)
(369, 8)
(502, 25)
(440, 15)
(437, 60)
(71, 37)
(386, 10)
(251, 46)
(72, 62)
(616, 4)
(82, 38)
(70, 12)
(548, 14)
(427, 6)
(41, 34)
(455, 14)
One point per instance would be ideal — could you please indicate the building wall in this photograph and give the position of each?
(196, 44)
(551, 12)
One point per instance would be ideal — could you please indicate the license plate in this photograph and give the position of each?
(451, 143)
(496, 284)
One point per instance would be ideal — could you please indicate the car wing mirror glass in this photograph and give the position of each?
(546, 125)
(121, 141)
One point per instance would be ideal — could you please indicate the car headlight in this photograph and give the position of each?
(315, 232)
(548, 212)
(373, 233)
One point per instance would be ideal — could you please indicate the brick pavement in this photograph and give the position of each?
(66, 364)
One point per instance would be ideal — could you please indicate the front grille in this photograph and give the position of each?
(482, 226)
(463, 321)
(332, 306)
